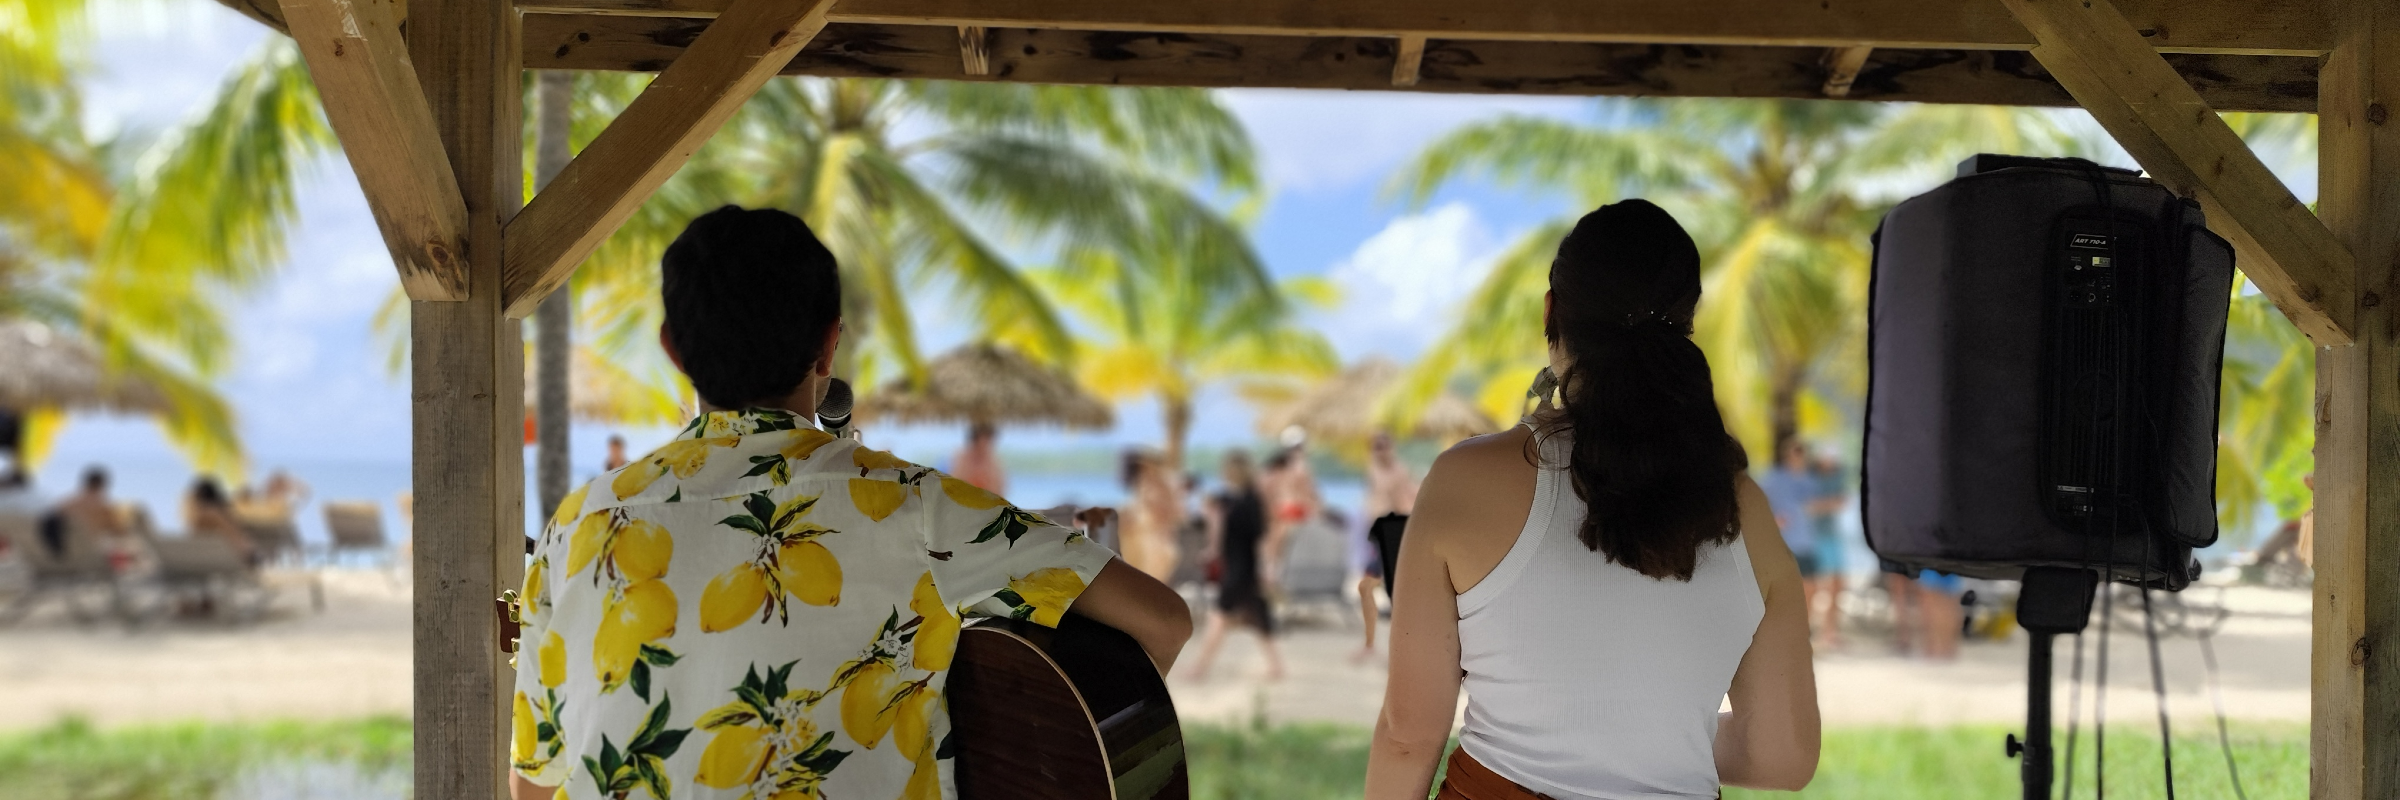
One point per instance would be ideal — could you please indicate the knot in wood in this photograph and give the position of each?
(2376, 114)
(2359, 651)
(2370, 300)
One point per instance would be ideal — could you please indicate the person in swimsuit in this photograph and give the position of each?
(1391, 493)
(1237, 534)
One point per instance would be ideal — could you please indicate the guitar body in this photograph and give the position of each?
(1075, 713)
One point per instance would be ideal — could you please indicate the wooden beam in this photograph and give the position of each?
(370, 94)
(1408, 60)
(1999, 77)
(2354, 746)
(974, 50)
(651, 139)
(263, 12)
(2257, 27)
(1841, 69)
(2100, 58)
(467, 411)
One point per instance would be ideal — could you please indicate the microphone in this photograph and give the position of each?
(833, 412)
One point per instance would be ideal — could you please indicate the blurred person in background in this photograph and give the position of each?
(1824, 526)
(87, 512)
(1292, 499)
(1795, 492)
(1238, 540)
(1938, 614)
(978, 462)
(208, 513)
(1391, 494)
(616, 455)
(1153, 511)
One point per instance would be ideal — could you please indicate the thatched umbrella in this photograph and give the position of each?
(599, 390)
(41, 367)
(983, 383)
(1347, 408)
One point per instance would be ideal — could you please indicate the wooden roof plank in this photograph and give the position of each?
(2256, 27)
(599, 42)
(655, 135)
(2287, 252)
(372, 98)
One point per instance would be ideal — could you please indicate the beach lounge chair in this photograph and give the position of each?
(80, 578)
(355, 526)
(1316, 567)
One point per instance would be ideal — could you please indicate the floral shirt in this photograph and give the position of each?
(761, 611)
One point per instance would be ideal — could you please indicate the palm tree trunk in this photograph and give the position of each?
(553, 321)
(1179, 428)
(1784, 409)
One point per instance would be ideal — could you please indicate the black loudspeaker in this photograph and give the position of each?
(2045, 340)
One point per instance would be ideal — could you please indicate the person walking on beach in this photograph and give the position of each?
(1391, 494)
(1152, 514)
(1602, 577)
(616, 459)
(760, 608)
(1237, 539)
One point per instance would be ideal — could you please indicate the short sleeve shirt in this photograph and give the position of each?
(1789, 494)
(761, 611)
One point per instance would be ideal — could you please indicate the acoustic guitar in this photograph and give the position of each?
(1072, 713)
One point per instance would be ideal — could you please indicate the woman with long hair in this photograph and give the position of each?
(1600, 578)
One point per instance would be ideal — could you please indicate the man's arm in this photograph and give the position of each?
(1129, 600)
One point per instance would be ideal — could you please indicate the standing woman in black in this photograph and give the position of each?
(1237, 534)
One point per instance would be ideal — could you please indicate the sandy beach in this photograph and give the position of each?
(352, 659)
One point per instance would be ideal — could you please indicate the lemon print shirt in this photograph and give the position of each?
(761, 611)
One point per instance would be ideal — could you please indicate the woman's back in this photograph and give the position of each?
(1586, 679)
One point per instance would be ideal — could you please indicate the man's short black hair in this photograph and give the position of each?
(95, 477)
(749, 294)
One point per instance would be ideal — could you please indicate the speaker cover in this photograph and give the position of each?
(2045, 340)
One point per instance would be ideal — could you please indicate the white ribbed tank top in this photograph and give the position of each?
(1586, 680)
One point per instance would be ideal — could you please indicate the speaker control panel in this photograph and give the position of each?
(2090, 280)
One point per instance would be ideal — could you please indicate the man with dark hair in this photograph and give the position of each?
(979, 462)
(759, 608)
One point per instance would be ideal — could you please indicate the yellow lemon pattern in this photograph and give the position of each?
(829, 586)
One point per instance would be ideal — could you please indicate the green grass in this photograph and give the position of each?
(73, 761)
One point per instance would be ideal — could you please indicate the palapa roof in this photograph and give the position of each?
(43, 367)
(1350, 407)
(989, 384)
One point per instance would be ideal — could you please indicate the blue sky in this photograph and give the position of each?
(311, 383)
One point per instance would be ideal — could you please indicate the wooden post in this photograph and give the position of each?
(2354, 746)
(1408, 61)
(1842, 65)
(467, 389)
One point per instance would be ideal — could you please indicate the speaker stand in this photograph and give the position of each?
(2051, 601)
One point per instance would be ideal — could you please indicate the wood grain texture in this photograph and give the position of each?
(1407, 60)
(1076, 712)
(466, 393)
(2280, 27)
(974, 50)
(2179, 139)
(654, 136)
(371, 95)
(2354, 748)
(1841, 69)
(598, 42)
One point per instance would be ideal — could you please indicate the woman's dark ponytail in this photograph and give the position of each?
(1651, 461)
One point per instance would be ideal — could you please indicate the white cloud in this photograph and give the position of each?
(1399, 285)
(1312, 141)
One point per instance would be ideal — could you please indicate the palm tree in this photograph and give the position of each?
(1778, 194)
(132, 244)
(905, 181)
(2266, 426)
(1167, 316)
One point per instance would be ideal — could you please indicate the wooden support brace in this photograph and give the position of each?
(1410, 58)
(2354, 664)
(1841, 68)
(975, 49)
(2288, 253)
(372, 97)
(745, 46)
